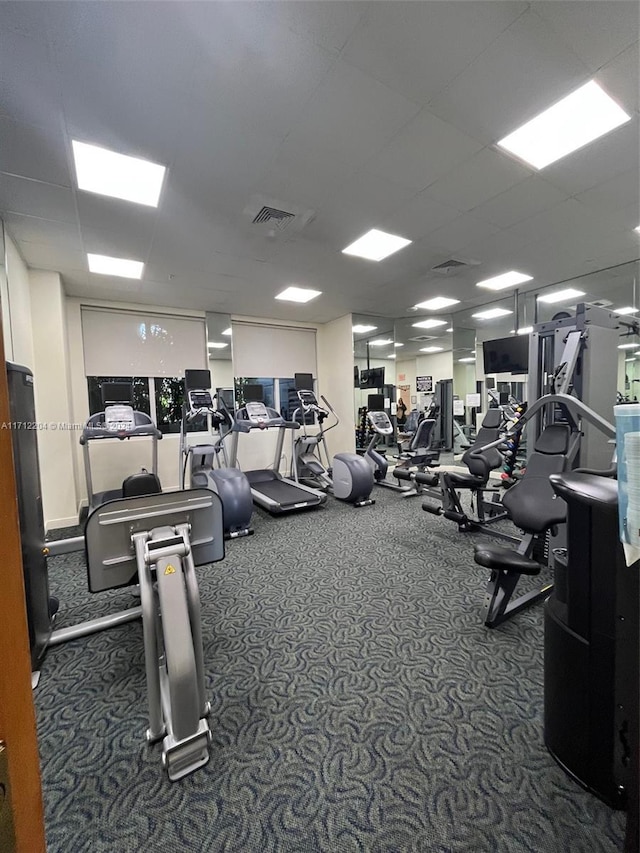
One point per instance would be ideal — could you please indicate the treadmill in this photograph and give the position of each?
(269, 489)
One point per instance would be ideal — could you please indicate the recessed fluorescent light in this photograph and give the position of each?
(523, 330)
(629, 346)
(450, 329)
(398, 345)
(429, 324)
(507, 279)
(392, 355)
(105, 172)
(627, 310)
(581, 117)
(437, 302)
(491, 313)
(432, 349)
(227, 331)
(376, 245)
(469, 360)
(627, 360)
(298, 294)
(361, 330)
(104, 265)
(381, 342)
(637, 228)
(217, 345)
(560, 295)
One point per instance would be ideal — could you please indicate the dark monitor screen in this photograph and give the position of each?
(197, 380)
(507, 355)
(375, 402)
(253, 393)
(372, 378)
(356, 376)
(303, 381)
(116, 392)
(226, 395)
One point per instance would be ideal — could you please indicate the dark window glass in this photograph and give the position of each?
(139, 384)
(268, 389)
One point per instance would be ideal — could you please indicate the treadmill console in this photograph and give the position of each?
(257, 413)
(380, 422)
(119, 418)
(199, 400)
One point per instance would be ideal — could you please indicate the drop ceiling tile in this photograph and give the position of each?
(34, 152)
(349, 117)
(64, 235)
(424, 150)
(612, 154)
(420, 216)
(621, 79)
(568, 219)
(372, 194)
(101, 213)
(601, 30)
(327, 25)
(620, 193)
(524, 71)
(34, 198)
(48, 257)
(29, 85)
(525, 199)
(418, 48)
(478, 179)
(116, 244)
(302, 180)
(464, 232)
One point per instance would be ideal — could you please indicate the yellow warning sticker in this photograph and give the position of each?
(170, 570)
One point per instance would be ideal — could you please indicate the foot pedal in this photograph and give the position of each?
(181, 757)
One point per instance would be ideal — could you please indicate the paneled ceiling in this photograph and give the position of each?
(381, 114)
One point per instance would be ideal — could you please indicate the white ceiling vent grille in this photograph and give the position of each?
(279, 218)
(453, 265)
(275, 218)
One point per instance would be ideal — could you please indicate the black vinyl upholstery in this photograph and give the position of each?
(505, 559)
(479, 469)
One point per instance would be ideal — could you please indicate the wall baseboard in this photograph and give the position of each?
(57, 523)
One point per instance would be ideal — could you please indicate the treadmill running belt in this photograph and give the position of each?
(284, 493)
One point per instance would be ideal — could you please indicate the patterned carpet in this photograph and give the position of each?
(359, 704)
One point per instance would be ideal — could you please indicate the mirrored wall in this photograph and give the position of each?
(219, 348)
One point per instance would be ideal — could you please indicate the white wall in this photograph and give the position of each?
(17, 319)
(335, 380)
(53, 400)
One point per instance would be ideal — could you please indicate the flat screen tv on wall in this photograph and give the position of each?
(507, 355)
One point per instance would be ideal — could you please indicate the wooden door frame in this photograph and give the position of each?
(17, 712)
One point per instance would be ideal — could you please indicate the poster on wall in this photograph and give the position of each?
(424, 384)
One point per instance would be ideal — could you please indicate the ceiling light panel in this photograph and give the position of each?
(432, 349)
(628, 310)
(571, 123)
(105, 172)
(398, 345)
(506, 279)
(429, 324)
(436, 303)
(560, 296)
(121, 267)
(362, 330)
(492, 313)
(376, 245)
(298, 294)
(629, 346)
(381, 342)
(227, 331)
(467, 360)
(217, 345)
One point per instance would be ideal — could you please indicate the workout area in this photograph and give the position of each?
(320, 426)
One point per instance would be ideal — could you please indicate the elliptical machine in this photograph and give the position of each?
(208, 464)
(348, 477)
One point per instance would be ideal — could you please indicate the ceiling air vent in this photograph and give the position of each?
(275, 218)
(279, 218)
(453, 264)
(422, 338)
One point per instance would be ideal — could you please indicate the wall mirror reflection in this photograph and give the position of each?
(374, 372)
(220, 355)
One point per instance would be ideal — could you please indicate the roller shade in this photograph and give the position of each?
(278, 351)
(132, 343)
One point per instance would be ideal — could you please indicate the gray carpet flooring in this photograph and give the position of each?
(358, 704)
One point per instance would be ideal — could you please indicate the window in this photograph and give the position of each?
(141, 397)
(268, 390)
(163, 394)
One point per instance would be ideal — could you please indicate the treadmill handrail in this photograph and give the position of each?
(93, 433)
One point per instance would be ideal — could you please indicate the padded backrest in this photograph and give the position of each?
(411, 424)
(422, 437)
(488, 432)
(532, 502)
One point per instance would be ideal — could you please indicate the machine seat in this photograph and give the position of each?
(463, 480)
(505, 560)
